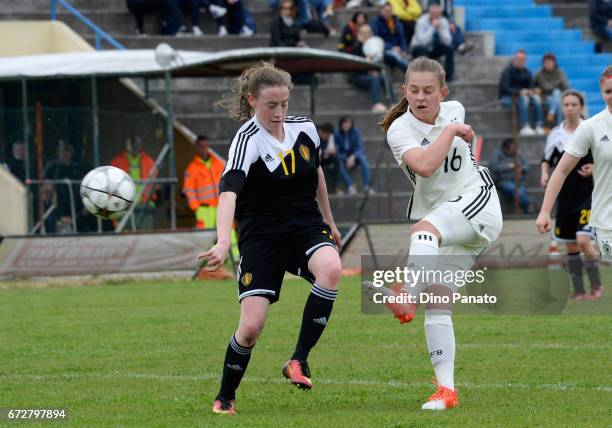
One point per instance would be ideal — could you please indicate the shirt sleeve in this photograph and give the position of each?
(242, 154)
(581, 141)
(400, 140)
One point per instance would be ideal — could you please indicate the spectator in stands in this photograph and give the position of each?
(459, 44)
(174, 22)
(313, 15)
(64, 195)
(407, 11)
(516, 81)
(371, 81)
(600, 18)
(432, 38)
(140, 166)
(329, 157)
(285, 30)
(389, 28)
(15, 160)
(236, 20)
(324, 10)
(550, 83)
(349, 145)
(193, 7)
(502, 165)
(348, 37)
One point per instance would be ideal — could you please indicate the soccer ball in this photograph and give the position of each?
(107, 192)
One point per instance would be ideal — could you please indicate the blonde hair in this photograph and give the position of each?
(606, 74)
(421, 64)
(252, 81)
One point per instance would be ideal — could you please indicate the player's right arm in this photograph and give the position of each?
(575, 150)
(425, 161)
(241, 156)
(565, 166)
(225, 217)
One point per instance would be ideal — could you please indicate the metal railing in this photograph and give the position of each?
(99, 33)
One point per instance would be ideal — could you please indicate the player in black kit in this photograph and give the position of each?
(574, 203)
(274, 186)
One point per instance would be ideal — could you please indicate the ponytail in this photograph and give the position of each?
(396, 111)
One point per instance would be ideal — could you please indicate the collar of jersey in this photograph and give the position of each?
(423, 127)
(267, 134)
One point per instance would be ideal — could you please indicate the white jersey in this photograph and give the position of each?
(596, 134)
(458, 174)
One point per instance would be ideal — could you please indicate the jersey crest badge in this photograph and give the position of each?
(607, 249)
(305, 152)
(247, 278)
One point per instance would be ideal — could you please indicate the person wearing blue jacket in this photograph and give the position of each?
(389, 28)
(349, 147)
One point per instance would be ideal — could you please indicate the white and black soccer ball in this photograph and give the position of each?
(107, 192)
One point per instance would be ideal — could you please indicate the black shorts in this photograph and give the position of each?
(570, 224)
(263, 262)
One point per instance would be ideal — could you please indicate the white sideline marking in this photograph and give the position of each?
(390, 383)
(511, 346)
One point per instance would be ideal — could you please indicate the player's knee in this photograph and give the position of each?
(328, 274)
(584, 243)
(249, 332)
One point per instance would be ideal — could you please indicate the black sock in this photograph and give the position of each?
(236, 361)
(574, 265)
(316, 315)
(593, 271)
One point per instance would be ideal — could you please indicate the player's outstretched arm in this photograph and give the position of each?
(425, 162)
(225, 218)
(565, 166)
(323, 202)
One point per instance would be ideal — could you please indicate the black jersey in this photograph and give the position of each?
(276, 182)
(576, 191)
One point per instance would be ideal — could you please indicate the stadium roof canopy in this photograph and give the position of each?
(143, 63)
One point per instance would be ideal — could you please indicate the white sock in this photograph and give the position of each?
(424, 249)
(441, 345)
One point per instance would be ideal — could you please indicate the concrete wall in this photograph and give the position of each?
(14, 206)
(39, 37)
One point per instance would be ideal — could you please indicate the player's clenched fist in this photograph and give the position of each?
(465, 132)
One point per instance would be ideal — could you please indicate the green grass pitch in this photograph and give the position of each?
(150, 354)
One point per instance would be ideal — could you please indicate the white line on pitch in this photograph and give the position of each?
(390, 383)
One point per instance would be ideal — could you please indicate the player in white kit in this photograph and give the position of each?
(454, 203)
(594, 134)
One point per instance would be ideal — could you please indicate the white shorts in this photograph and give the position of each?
(468, 225)
(603, 237)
